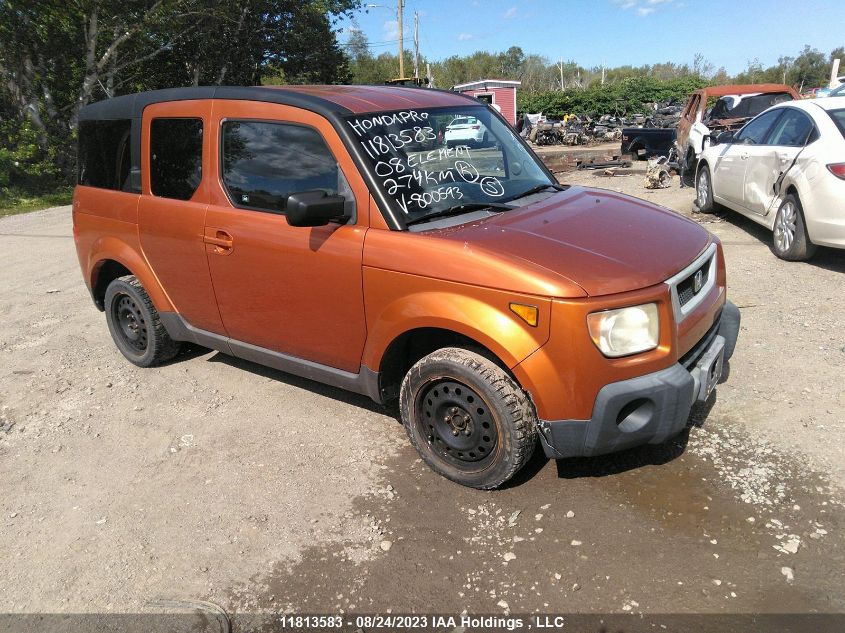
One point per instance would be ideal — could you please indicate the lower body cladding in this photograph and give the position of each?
(647, 409)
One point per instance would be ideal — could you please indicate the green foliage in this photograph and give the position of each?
(810, 69)
(13, 201)
(57, 56)
(24, 164)
(622, 97)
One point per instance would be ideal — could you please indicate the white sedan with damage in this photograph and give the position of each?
(466, 130)
(785, 169)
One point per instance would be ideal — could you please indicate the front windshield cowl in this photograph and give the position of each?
(427, 161)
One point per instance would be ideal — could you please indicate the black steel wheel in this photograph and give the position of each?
(134, 324)
(467, 417)
(457, 423)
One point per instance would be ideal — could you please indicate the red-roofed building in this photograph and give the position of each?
(500, 93)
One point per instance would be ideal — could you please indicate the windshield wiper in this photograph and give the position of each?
(461, 208)
(537, 189)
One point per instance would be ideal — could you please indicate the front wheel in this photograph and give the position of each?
(467, 418)
(791, 241)
(704, 190)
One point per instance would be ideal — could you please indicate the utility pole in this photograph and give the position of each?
(560, 67)
(416, 45)
(834, 73)
(400, 4)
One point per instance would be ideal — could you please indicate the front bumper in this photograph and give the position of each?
(647, 409)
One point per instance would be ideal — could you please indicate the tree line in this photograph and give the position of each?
(562, 87)
(58, 55)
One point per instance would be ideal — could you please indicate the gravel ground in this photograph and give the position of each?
(215, 479)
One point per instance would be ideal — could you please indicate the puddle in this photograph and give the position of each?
(704, 526)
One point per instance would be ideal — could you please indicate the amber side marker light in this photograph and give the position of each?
(529, 314)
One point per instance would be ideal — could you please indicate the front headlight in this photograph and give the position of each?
(625, 331)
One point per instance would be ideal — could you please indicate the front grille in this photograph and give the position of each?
(690, 286)
(686, 288)
(689, 359)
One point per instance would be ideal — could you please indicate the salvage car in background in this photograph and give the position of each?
(719, 108)
(466, 131)
(785, 170)
(644, 142)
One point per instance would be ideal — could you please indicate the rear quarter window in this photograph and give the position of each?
(103, 154)
(838, 117)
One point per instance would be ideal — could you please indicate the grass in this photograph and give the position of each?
(14, 202)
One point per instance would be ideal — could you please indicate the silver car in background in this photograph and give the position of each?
(785, 169)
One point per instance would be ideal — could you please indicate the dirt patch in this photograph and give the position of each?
(216, 480)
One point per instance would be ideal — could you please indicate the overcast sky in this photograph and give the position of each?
(728, 33)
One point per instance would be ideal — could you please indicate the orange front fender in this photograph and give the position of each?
(397, 303)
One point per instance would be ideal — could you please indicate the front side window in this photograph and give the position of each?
(754, 133)
(264, 162)
(431, 161)
(103, 159)
(793, 129)
(175, 157)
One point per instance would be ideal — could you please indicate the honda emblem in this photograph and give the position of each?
(697, 281)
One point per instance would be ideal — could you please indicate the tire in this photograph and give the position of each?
(791, 241)
(690, 164)
(134, 324)
(635, 153)
(468, 419)
(704, 190)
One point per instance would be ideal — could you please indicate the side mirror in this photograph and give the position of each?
(722, 138)
(314, 208)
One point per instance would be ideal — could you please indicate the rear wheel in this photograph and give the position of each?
(467, 418)
(791, 241)
(134, 324)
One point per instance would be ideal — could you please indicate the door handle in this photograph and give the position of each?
(219, 239)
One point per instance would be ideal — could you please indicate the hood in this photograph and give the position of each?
(604, 241)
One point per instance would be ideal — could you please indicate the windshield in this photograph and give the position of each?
(428, 161)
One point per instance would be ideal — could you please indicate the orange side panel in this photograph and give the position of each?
(397, 303)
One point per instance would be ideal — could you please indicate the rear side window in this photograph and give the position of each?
(103, 159)
(793, 129)
(175, 157)
(263, 163)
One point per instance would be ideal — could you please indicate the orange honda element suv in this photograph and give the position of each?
(332, 233)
